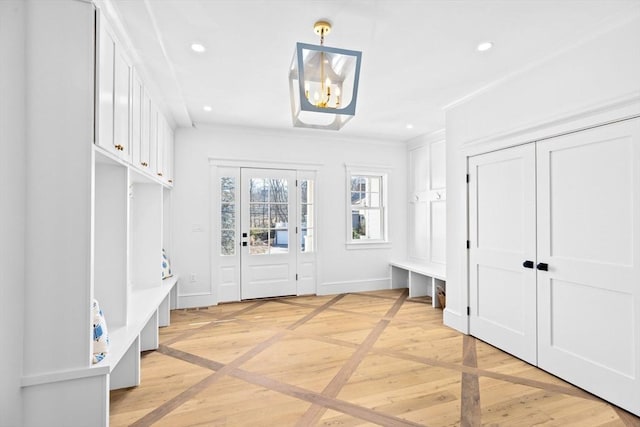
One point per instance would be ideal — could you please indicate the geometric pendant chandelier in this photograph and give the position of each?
(323, 83)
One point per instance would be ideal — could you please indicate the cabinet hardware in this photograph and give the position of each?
(159, 174)
(244, 243)
(543, 266)
(527, 264)
(170, 180)
(145, 164)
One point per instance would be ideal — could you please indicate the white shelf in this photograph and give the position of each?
(125, 342)
(421, 279)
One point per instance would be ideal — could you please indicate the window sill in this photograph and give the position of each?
(375, 244)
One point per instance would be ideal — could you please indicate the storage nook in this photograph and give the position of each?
(99, 230)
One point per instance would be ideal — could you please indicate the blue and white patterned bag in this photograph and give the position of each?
(100, 335)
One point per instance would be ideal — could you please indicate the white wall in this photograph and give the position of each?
(12, 206)
(565, 92)
(339, 269)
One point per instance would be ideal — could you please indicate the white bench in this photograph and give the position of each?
(147, 310)
(421, 279)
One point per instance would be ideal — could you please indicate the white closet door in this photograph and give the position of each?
(589, 235)
(502, 226)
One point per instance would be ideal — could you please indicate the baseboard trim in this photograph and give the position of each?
(376, 284)
(193, 301)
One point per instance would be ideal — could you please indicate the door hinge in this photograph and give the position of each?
(468, 311)
(467, 177)
(468, 244)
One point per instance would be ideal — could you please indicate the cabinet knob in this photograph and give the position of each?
(170, 180)
(159, 173)
(145, 164)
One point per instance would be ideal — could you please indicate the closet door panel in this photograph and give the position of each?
(502, 236)
(588, 234)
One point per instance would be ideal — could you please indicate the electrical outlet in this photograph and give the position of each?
(192, 277)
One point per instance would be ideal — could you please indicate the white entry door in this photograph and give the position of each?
(589, 247)
(502, 230)
(268, 233)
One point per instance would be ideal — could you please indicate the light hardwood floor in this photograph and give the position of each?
(373, 358)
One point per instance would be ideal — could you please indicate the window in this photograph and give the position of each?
(269, 216)
(367, 218)
(307, 218)
(227, 215)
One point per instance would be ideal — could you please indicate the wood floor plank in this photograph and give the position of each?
(470, 412)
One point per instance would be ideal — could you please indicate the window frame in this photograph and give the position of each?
(369, 171)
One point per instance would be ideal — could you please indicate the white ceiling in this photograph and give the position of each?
(418, 56)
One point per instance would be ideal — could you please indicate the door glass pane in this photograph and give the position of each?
(279, 216)
(279, 190)
(227, 242)
(227, 216)
(269, 216)
(259, 215)
(279, 241)
(227, 189)
(306, 215)
(259, 242)
(258, 190)
(306, 240)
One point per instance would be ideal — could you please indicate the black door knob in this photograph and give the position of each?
(543, 266)
(527, 264)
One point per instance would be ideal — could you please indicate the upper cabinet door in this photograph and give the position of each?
(160, 151)
(153, 138)
(113, 94)
(169, 157)
(122, 102)
(145, 132)
(104, 83)
(136, 120)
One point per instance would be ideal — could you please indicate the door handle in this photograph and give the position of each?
(527, 264)
(543, 266)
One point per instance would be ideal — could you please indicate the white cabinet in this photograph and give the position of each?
(427, 202)
(129, 124)
(164, 150)
(555, 256)
(113, 93)
(87, 233)
(161, 147)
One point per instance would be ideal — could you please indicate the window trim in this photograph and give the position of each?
(367, 170)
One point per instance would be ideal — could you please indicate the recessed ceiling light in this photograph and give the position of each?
(484, 46)
(197, 47)
(409, 126)
(207, 108)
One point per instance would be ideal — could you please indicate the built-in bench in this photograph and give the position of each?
(148, 309)
(421, 279)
